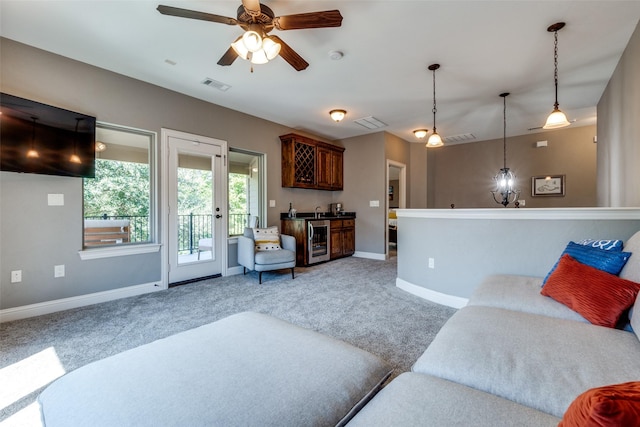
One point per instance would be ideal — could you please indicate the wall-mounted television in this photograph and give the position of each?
(40, 138)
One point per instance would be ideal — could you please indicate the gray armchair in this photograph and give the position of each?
(261, 261)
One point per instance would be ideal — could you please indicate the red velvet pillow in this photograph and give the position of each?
(613, 405)
(597, 296)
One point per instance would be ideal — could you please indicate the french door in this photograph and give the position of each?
(196, 205)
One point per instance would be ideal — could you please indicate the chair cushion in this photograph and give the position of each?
(266, 239)
(274, 257)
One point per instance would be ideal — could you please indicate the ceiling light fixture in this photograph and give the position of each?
(420, 133)
(434, 139)
(337, 115)
(100, 146)
(505, 179)
(557, 119)
(255, 46)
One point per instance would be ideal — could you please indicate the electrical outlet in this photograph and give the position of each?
(58, 271)
(522, 203)
(16, 276)
(374, 203)
(432, 263)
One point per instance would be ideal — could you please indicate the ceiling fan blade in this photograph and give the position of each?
(192, 14)
(252, 7)
(328, 18)
(229, 56)
(290, 55)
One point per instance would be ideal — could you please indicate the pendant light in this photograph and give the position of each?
(434, 139)
(557, 119)
(505, 191)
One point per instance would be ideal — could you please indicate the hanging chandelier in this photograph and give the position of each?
(505, 192)
(434, 139)
(557, 119)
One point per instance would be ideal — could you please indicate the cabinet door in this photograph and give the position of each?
(324, 170)
(348, 241)
(336, 243)
(336, 170)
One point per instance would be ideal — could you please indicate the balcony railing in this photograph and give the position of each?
(191, 228)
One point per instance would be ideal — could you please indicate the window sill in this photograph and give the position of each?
(114, 251)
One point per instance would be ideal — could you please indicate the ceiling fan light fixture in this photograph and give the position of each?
(337, 115)
(271, 48)
(420, 133)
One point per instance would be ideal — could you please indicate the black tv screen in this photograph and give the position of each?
(39, 138)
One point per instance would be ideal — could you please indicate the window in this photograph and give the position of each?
(246, 198)
(118, 202)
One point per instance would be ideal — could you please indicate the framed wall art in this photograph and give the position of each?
(547, 185)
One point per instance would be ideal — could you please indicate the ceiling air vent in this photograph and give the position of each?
(459, 138)
(370, 122)
(223, 87)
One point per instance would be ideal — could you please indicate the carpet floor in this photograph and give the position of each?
(352, 299)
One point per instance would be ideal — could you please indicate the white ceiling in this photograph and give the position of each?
(484, 48)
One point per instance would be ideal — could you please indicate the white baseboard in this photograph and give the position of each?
(47, 307)
(433, 296)
(370, 255)
(232, 271)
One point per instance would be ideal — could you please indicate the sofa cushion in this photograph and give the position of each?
(609, 261)
(266, 239)
(248, 369)
(612, 405)
(274, 257)
(537, 361)
(631, 270)
(599, 297)
(520, 293)
(422, 400)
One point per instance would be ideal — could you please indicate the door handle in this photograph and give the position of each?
(218, 216)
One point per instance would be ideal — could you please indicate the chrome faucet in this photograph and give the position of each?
(317, 213)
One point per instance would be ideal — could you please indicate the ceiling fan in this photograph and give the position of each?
(256, 45)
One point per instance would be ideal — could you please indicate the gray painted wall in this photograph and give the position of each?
(36, 237)
(466, 251)
(619, 132)
(463, 174)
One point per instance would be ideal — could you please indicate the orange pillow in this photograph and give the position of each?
(613, 405)
(599, 297)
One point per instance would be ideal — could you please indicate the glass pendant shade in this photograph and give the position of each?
(252, 41)
(240, 48)
(557, 119)
(271, 48)
(258, 57)
(434, 140)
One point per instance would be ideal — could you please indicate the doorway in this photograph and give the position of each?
(396, 183)
(195, 200)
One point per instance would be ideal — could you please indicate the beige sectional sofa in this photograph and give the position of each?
(510, 357)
